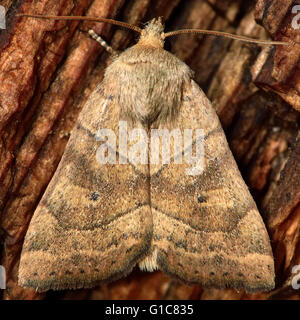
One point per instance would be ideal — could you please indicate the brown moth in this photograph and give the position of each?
(97, 221)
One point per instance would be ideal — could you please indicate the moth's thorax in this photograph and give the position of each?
(146, 80)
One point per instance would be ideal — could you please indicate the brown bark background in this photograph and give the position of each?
(48, 69)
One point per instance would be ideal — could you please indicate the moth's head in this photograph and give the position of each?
(152, 34)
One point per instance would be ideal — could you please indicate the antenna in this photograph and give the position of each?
(78, 18)
(224, 34)
(164, 35)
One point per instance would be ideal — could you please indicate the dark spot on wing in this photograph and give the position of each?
(201, 199)
(95, 196)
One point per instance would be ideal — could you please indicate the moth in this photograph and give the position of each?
(106, 211)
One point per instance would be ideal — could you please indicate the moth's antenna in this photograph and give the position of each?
(92, 19)
(223, 34)
(165, 35)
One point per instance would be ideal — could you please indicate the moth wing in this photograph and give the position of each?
(206, 227)
(91, 224)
